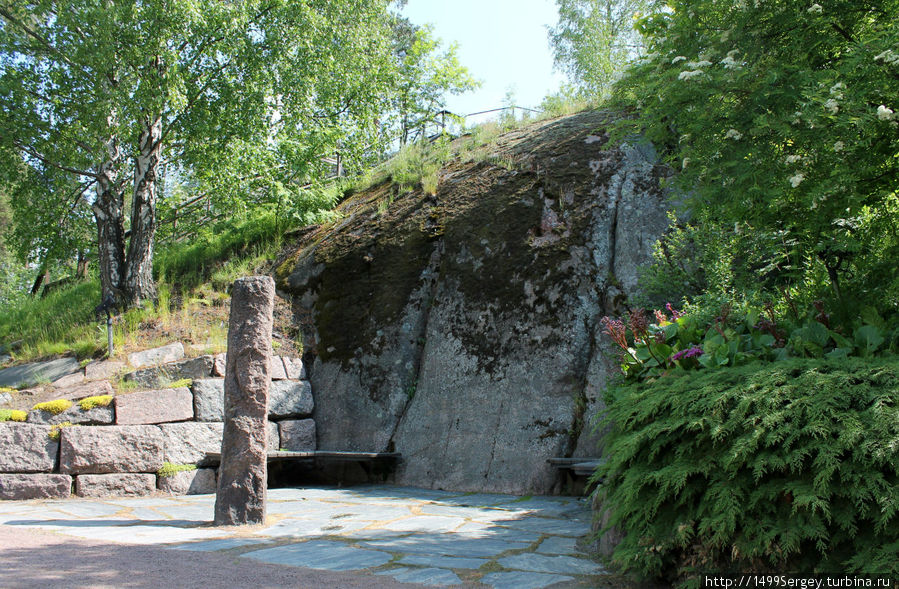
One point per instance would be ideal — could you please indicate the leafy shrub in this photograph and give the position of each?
(684, 341)
(55, 407)
(89, 403)
(790, 467)
(13, 415)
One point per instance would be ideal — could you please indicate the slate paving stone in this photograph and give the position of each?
(145, 534)
(446, 544)
(223, 544)
(559, 545)
(425, 523)
(431, 576)
(522, 580)
(321, 555)
(550, 506)
(482, 530)
(551, 564)
(555, 527)
(478, 500)
(444, 562)
(88, 508)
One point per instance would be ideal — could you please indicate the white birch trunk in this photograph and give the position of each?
(139, 284)
(108, 209)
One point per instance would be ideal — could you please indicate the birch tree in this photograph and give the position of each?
(109, 91)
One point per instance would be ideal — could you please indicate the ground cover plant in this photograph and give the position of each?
(787, 467)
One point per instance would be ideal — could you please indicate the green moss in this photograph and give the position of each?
(169, 469)
(55, 407)
(55, 430)
(96, 401)
(13, 415)
(184, 382)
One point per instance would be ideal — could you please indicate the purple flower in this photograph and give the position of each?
(688, 353)
(675, 314)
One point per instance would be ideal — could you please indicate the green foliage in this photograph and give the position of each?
(424, 78)
(737, 336)
(13, 415)
(58, 323)
(595, 39)
(55, 407)
(169, 469)
(779, 118)
(769, 468)
(89, 403)
(219, 249)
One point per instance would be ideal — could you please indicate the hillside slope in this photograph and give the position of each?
(461, 328)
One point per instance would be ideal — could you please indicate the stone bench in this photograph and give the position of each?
(373, 463)
(582, 467)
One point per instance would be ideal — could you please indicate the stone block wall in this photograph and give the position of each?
(149, 440)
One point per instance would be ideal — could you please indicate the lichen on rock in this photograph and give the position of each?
(484, 299)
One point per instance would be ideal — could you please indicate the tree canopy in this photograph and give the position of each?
(237, 101)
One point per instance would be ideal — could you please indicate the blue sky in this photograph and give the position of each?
(502, 42)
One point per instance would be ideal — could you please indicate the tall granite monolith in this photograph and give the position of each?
(240, 495)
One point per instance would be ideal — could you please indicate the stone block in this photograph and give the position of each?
(241, 491)
(75, 415)
(188, 482)
(103, 369)
(188, 443)
(160, 355)
(27, 448)
(294, 368)
(161, 376)
(21, 487)
(86, 389)
(209, 399)
(297, 435)
(5, 399)
(218, 365)
(160, 406)
(273, 437)
(69, 380)
(276, 369)
(109, 449)
(27, 375)
(115, 485)
(290, 399)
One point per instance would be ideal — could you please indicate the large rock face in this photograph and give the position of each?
(462, 329)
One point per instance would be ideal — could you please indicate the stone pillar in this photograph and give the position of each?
(240, 495)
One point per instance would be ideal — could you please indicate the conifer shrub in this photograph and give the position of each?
(790, 467)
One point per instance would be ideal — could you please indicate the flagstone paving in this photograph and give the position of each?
(428, 537)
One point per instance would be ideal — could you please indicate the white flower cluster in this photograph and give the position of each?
(733, 134)
(796, 179)
(833, 106)
(884, 113)
(815, 9)
(689, 75)
(699, 64)
(888, 57)
(729, 61)
(678, 59)
(839, 146)
(837, 90)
